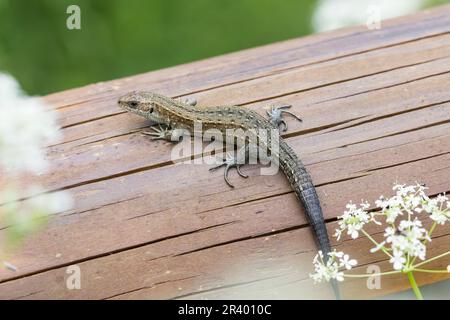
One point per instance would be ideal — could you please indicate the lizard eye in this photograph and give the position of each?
(133, 104)
(151, 110)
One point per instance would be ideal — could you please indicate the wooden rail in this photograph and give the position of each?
(375, 108)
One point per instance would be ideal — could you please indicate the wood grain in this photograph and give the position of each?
(375, 108)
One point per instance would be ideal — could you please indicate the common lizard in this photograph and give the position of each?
(171, 115)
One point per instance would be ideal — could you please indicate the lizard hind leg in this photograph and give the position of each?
(231, 161)
(276, 116)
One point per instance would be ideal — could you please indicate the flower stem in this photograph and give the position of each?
(431, 271)
(414, 286)
(431, 230)
(431, 259)
(370, 274)
(376, 243)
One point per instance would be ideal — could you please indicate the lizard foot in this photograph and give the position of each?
(276, 116)
(159, 133)
(189, 101)
(230, 162)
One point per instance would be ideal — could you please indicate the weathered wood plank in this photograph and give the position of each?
(376, 110)
(225, 269)
(425, 91)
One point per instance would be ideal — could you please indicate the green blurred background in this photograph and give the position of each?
(120, 38)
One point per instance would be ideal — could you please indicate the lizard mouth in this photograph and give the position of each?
(125, 100)
(123, 105)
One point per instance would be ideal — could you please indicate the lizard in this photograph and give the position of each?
(171, 115)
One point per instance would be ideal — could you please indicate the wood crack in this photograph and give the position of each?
(383, 88)
(397, 133)
(109, 253)
(223, 287)
(405, 162)
(148, 287)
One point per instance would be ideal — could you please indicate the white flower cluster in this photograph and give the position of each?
(23, 218)
(333, 14)
(405, 238)
(412, 200)
(332, 268)
(438, 208)
(353, 220)
(25, 127)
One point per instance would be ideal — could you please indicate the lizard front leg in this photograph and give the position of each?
(163, 132)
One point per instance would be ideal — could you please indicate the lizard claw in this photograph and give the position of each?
(230, 162)
(159, 133)
(276, 116)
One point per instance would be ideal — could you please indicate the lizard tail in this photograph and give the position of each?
(301, 182)
(310, 200)
(336, 291)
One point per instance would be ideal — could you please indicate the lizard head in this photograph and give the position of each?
(142, 103)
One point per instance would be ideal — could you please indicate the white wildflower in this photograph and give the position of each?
(439, 209)
(381, 202)
(441, 199)
(331, 269)
(405, 224)
(353, 220)
(403, 190)
(397, 260)
(333, 14)
(25, 127)
(440, 217)
(26, 216)
(405, 239)
(336, 254)
(9, 89)
(392, 213)
(339, 276)
(389, 232)
(346, 262)
(54, 202)
(407, 200)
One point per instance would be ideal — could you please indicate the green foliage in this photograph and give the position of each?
(120, 38)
